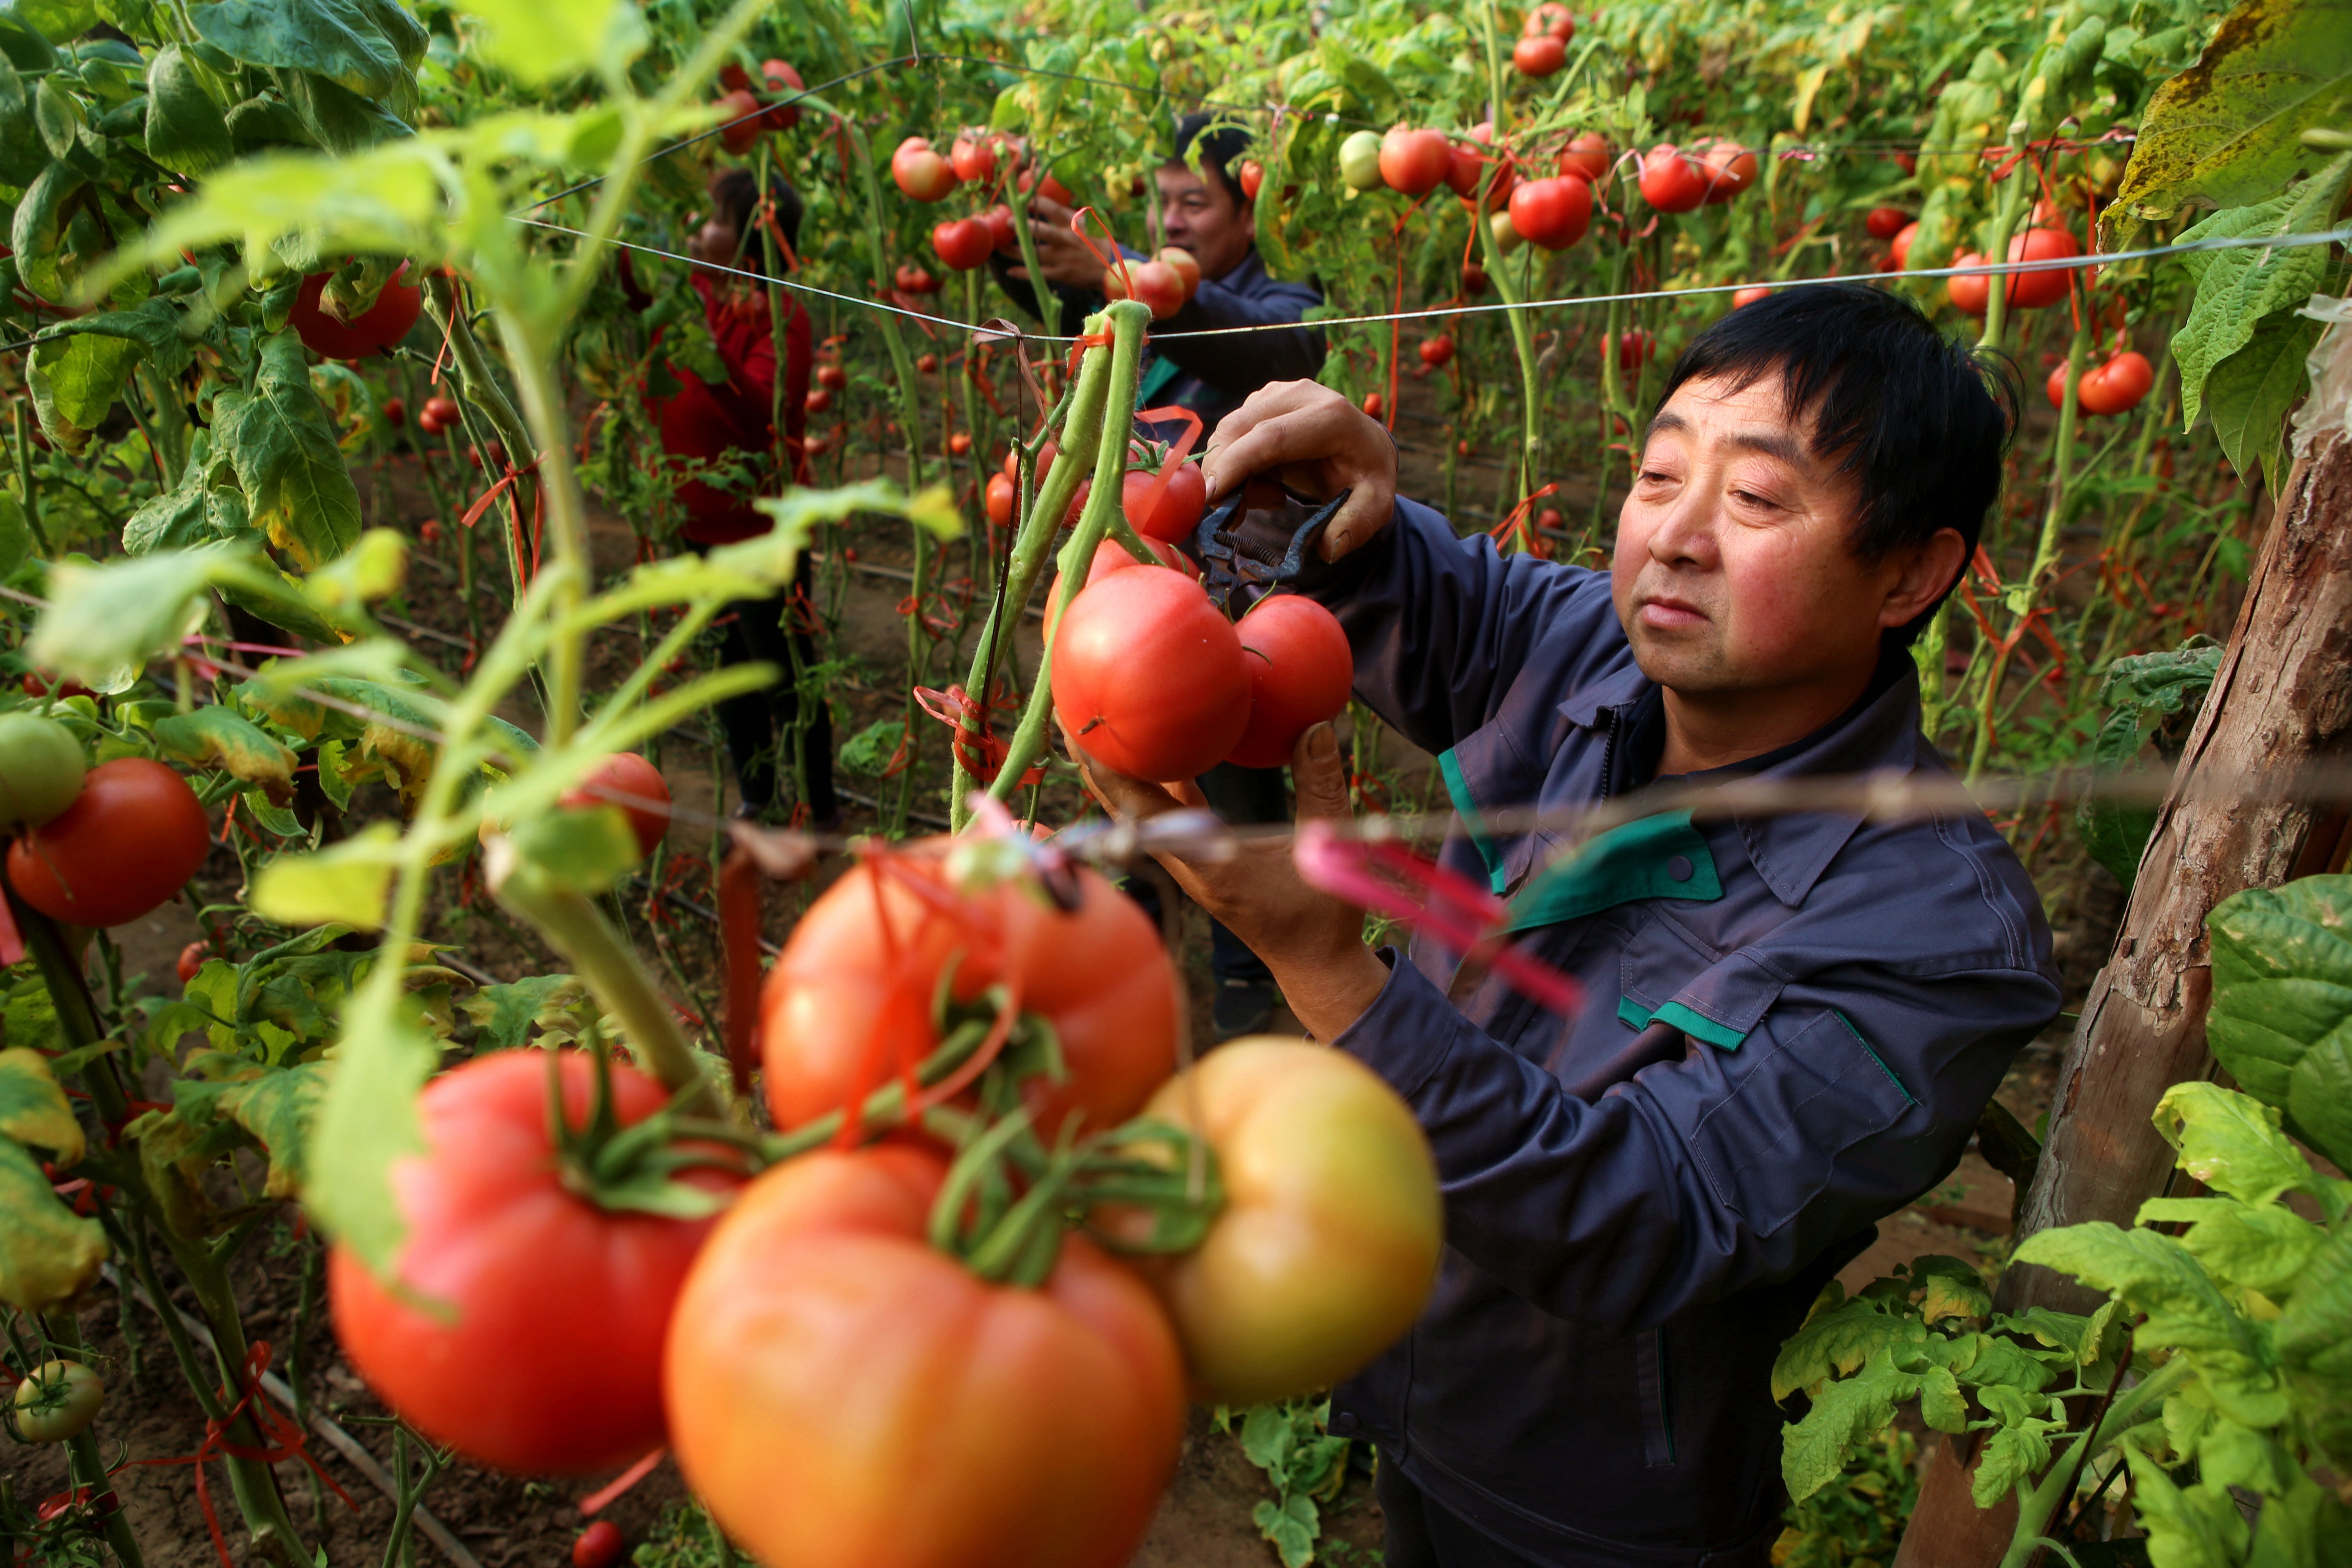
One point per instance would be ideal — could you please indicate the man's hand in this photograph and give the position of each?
(1312, 941)
(1316, 442)
(1063, 255)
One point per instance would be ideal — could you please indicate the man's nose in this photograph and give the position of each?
(1686, 533)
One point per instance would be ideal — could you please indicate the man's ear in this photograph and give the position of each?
(1926, 570)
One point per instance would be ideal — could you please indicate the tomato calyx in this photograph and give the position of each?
(635, 1169)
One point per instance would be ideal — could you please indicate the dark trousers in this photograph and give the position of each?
(1241, 795)
(758, 724)
(1421, 1534)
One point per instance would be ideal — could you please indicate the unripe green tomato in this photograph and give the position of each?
(41, 768)
(57, 1402)
(1359, 160)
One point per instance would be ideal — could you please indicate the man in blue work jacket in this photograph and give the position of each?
(1206, 214)
(1792, 1021)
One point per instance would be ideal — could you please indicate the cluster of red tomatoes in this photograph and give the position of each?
(824, 1340)
(93, 847)
(1542, 46)
(2114, 386)
(742, 115)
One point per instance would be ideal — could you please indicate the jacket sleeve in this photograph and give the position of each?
(1705, 1177)
(1442, 628)
(1241, 363)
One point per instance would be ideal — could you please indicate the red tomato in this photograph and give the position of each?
(1436, 351)
(1672, 181)
(1180, 507)
(1300, 673)
(784, 81)
(1552, 212)
(1551, 20)
(1549, 520)
(1466, 170)
(512, 1285)
(1885, 223)
(429, 530)
(598, 1546)
(1729, 169)
(1110, 555)
(960, 444)
(972, 159)
(444, 409)
(922, 173)
(1001, 233)
(131, 839)
(375, 330)
(1900, 246)
(1253, 176)
(1416, 161)
(847, 1007)
(2032, 290)
(2055, 386)
(1749, 295)
(1373, 405)
(1474, 279)
(740, 120)
(1149, 678)
(1539, 55)
(2118, 385)
(427, 422)
(963, 243)
(846, 1395)
(39, 683)
(625, 779)
(1587, 156)
(1970, 294)
(818, 400)
(191, 961)
(1045, 456)
(914, 278)
(1634, 351)
(832, 376)
(1048, 189)
(395, 412)
(1002, 497)
(733, 78)
(1183, 263)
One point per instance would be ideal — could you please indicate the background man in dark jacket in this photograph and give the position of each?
(1206, 215)
(1791, 1022)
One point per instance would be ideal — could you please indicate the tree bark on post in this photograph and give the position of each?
(2281, 704)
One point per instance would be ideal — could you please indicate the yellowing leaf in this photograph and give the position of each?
(32, 1108)
(218, 737)
(346, 883)
(47, 1253)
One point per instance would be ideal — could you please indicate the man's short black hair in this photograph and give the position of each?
(1220, 148)
(736, 193)
(1920, 419)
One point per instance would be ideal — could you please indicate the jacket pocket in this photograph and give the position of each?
(1653, 1377)
(1804, 1091)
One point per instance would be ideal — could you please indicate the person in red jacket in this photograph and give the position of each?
(732, 422)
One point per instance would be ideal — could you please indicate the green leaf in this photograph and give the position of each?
(1941, 1403)
(2191, 1527)
(2186, 1309)
(2313, 1339)
(47, 1253)
(580, 851)
(2319, 1097)
(347, 882)
(218, 737)
(1833, 1342)
(52, 234)
(34, 1109)
(1293, 1526)
(339, 39)
(2260, 1248)
(338, 119)
(2012, 1459)
(366, 1122)
(556, 1005)
(1268, 1434)
(105, 621)
(2232, 1144)
(2306, 1526)
(83, 376)
(1845, 1415)
(16, 533)
(1950, 1296)
(283, 445)
(31, 1017)
(60, 21)
(2227, 130)
(2249, 394)
(156, 326)
(187, 131)
(540, 41)
(278, 1109)
(2281, 982)
(2237, 289)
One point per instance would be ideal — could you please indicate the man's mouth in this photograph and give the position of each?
(1664, 612)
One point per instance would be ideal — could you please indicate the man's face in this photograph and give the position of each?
(1733, 573)
(1202, 217)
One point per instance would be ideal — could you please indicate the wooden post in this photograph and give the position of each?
(2281, 702)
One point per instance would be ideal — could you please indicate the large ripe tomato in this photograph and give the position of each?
(972, 159)
(963, 243)
(1003, 498)
(1300, 671)
(1110, 555)
(1149, 678)
(131, 839)
(1551, 19)
(1252, 177)
(629, 775)
(2116, 386)
(528, 1329)
(1671, 180)
(1415, 162)
(1728, 169)
(1181, 504)
(847, 1007)
(1540, 55)
(1969, 293)
(1186, 266)
(1553, 212)
(1155, 283)
(375, 330)
(1329, 1239)
(844, 1395)
(41, 769)
(920, 172)
(2033, 290)
(1587, 156)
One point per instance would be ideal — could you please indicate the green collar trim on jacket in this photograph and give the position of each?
(1157, 379)
(1636, 860)
(1697, 1025)
(1458, 788)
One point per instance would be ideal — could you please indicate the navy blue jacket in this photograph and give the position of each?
(1212, 375)
(1791, 1024)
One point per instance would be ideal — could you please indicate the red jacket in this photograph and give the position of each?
(706, 421)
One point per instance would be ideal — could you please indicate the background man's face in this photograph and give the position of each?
(1733, 570)
(1203, 217)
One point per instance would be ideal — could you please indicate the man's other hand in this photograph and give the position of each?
(1312, 941)
(1063, 255)
(1318, 442)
